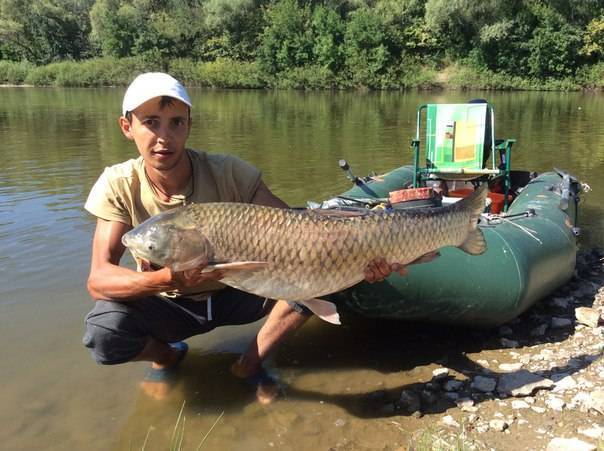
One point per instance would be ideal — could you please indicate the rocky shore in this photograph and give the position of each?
(539, 385)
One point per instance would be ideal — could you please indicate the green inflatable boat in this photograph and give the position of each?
(531, 243)
(531, 251)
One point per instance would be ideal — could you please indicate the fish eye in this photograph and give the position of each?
(150, 247)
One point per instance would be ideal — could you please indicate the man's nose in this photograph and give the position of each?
(164, 133)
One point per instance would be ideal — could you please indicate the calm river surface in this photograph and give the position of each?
(55, 142)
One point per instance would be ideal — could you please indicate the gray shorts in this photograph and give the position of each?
(116, 332)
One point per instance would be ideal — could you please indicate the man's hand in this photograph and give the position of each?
(378, 269)
(188, 278)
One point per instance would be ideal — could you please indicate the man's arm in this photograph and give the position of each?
(264, 196)
(109, 281)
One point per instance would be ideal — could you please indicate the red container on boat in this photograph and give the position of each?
(405, 195)
(497, 201)
(462, 192)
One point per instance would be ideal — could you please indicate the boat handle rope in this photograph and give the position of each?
(492, 220)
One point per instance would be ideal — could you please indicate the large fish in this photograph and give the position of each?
(301, 255)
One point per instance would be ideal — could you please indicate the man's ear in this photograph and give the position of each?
(126, 127)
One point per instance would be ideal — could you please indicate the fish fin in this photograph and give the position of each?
(338, 213)
(177, 267)
(325, 310)
(475, 243)
(236, 266)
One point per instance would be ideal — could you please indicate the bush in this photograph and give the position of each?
(310, 77)
(93, 72)
(226, 73)
(14, 72)
(591, 77)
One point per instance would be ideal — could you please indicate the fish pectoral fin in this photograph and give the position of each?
(236, 266)
(325, 310)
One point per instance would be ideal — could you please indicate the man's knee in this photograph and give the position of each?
(112, 334)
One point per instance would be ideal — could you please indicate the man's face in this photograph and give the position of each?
(160, 133)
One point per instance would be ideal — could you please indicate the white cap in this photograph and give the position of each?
(153, 84)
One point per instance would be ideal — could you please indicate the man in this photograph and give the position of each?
(144, 315)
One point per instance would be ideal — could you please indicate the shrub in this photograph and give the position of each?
(14, 72)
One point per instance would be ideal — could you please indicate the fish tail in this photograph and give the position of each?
(475, 243)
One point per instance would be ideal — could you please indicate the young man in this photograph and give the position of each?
(143, 315)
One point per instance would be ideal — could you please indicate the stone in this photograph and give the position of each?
(484, 384)
(595, 432)
(340, 422)
(519, 404)
(558, 323)
(588, 316)
(539, 331)
(563, 384)
(506, 343)
(561, 302)
(509, 367)
(481, 428)
(453, 385)
(466, 404)
(448, 420)
(498, 425)
(555, 403)
(452, 396)
(409, 401)
(596, 401)
(429, 397)
(522, 383)
(581, 400)
(569, 444)
(440, 373)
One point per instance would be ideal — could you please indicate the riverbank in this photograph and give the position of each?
(536, 384)
(232, 74)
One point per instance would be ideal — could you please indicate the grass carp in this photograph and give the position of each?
(301, 255)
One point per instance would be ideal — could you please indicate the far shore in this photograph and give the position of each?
(232, 74)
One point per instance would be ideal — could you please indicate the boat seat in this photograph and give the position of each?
(459, 141)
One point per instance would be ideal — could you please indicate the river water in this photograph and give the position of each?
(55, 143)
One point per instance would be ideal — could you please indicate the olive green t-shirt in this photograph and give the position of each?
(124, 194)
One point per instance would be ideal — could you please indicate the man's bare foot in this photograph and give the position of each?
(158, 379)
(267, 388)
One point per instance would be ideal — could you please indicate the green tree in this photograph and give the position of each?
(42, 31)
(328, 37)
(365, 44)
(286, 41)
(159, 28)
(554, 45)
(593, 39)
(233, 29)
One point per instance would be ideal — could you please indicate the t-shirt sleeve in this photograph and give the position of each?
(105, 203)
(246, 178)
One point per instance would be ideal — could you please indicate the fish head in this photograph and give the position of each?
(169, 239)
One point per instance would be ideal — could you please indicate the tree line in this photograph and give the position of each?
(328, 43)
